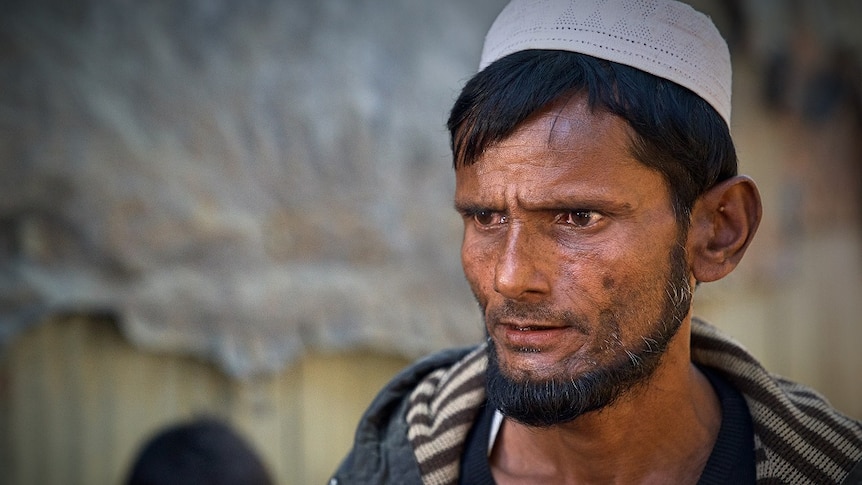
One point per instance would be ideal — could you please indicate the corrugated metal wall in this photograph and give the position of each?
(77, 400)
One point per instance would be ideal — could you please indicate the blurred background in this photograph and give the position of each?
(243, 209)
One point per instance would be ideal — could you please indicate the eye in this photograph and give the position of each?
(486, 218)
(578, 218)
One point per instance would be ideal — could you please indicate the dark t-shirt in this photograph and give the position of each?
(731, 460)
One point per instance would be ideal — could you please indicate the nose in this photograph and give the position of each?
(520, 272)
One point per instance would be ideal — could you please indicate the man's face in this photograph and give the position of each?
(573, 252)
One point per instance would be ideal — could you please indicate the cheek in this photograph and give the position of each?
(607, 280)
(478, 264)
(585, 275)
(636, 292)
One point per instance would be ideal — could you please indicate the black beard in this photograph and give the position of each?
(543, 403)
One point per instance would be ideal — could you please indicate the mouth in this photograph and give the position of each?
(530, 338)
(531, 328)
(519, 328)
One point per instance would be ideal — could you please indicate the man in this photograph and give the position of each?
(598, 184)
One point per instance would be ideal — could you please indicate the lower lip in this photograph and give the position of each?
(533, 339)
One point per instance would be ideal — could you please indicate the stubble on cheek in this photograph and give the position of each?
(629, 306)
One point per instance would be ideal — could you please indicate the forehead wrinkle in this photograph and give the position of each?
(573, 102)
(531, 153)
(536, 141)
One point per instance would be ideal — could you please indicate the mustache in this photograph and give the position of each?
(535, 312)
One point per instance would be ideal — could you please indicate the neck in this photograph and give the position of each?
(662, 432)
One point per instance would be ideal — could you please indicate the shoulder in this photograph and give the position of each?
(796, 425)
(799, 436)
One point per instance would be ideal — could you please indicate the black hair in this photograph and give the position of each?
(204, 451)
(675, 131)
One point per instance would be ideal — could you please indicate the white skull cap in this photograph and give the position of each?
(665, 38)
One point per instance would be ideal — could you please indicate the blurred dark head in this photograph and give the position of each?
(203, 451)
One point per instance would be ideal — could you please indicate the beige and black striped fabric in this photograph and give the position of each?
(799, 438)
(442, 409)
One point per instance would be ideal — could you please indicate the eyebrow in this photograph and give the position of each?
(574, 201)
(550, 204)
(470, 207)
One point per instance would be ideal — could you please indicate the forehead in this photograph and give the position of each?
(566, 142)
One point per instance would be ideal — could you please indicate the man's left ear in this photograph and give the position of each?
(723, 223)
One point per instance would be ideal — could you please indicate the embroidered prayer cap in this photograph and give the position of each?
(665, 38)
